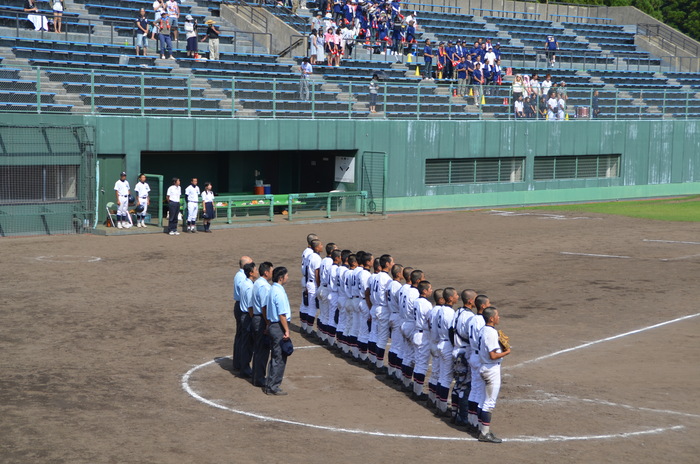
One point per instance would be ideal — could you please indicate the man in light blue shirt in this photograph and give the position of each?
(237, 281)
(278, 315)
(246, 346)
(261, 347)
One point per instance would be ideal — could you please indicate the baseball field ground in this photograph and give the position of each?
(115, 349)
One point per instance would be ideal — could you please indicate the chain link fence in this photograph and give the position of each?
(47, 180)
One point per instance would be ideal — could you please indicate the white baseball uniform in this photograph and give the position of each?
(421, 342)
(192, 196)
(122, 188)
(311, 288)
(381, 314)
(397, 340)
(142, 190)
(441, 324)
(490, 370)
(363, 334)
(476, 323)
(323, 293)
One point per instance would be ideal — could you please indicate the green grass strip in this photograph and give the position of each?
(682, 209)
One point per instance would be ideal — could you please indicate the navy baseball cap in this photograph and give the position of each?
(122, 174)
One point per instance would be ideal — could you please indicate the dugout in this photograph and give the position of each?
(235, 172)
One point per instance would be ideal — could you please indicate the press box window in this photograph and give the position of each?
(473, 170)
(576, 167)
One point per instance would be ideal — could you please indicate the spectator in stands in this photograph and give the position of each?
(317, 21)
(410, 37)
(534, 89)
(519, 108)
(339, 46)
(562, 90)
(461, 70)
(338, 11)
(164, 31)
(295, 6)
(155, 30)
(348, 36)
(542, 108)
(497, 51)
(546, 85)
(328, 22)
(158, 7)
(141, 32)
(173, 10)
(478, 83)
(530, 108)
(191, 34)
(552, 106)
(518, 87)
(497, 72)
(441, 61)
(373, 92)
(306, 70)
(428, 56)
(312, 46)
(448, 72)
(551, 46)
(595, 105)
(58, 15)
(329, 46)
(212, 36)
(39, 21)
(561, 105)
(489, 57)
(320, 46)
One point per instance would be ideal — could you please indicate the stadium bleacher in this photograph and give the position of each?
(101, 74)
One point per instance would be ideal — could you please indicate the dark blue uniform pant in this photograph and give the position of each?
(261, 351)
(278, 360)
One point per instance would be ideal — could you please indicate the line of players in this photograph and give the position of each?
(361, 303)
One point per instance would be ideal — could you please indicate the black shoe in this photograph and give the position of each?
(421, 397)
(489, 438)
(277, 392)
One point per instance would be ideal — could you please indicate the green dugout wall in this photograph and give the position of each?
(429, 164)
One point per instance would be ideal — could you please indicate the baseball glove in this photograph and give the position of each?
(503, 340)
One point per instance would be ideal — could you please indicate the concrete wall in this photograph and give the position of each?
(248, 18)
(657, 157)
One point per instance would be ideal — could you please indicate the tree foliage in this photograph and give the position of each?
(683, 15)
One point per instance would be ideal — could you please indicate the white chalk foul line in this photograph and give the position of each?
(593, 255)
(521, 439)
(559, 438)
(671, 241)
(614, 337)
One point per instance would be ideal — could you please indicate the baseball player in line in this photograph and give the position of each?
(333, 312)
(381, 314)
(490, 355)
(304, 262)
(339, 279)
(122, 191)
(323, 293)
(421, 340)
(439, 300)
(392, 299)
(372, 336)
(474, 327)
(462, 373)
(443, 319)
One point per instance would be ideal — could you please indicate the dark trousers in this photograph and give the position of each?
(261, 350)
(173, 211)
(278, 360)
(237, 338)
(246, 344)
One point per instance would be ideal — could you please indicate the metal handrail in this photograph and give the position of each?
(669, 37)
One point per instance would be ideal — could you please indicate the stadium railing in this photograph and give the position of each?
(240, 208)
(327, 205)
(265, 96)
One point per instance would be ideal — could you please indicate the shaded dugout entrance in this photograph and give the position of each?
(236, 172)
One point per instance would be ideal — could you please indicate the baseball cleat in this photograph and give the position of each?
(489, 438)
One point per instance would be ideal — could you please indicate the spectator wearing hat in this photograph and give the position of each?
(164, 30)
(213, 36)
(191, 34)
(317, 21)
(449, 51)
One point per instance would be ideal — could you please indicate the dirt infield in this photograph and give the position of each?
(98, 332)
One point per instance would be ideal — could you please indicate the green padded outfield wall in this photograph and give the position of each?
(657, 158)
